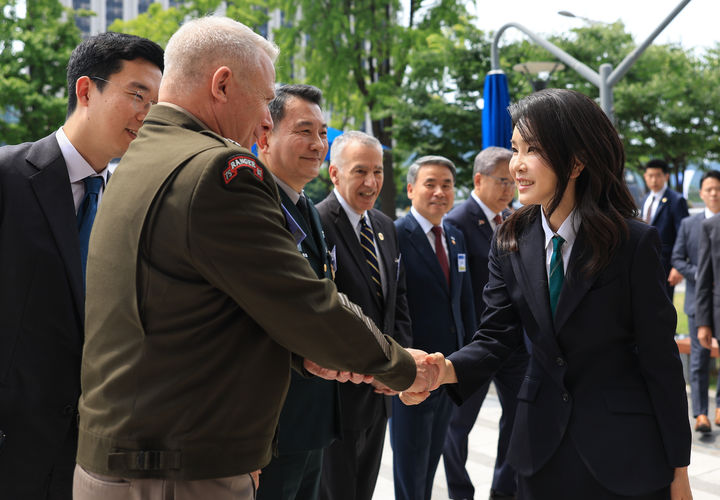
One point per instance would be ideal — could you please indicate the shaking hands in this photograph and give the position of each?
(433, 370)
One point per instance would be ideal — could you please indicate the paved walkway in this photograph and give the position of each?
(704, 467)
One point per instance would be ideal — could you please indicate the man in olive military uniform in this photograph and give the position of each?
(197, 297)
(309, 421)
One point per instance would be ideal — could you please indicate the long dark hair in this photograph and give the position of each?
(568, 127)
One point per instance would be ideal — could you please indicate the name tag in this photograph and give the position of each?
(462, 264)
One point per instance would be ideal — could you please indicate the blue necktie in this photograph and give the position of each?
(557, 272)
(86, 215)
(367, 242)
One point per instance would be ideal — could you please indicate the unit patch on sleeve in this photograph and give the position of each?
(236, 162)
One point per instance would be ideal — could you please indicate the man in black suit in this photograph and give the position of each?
(367, 270)
(440, 300)
(664, 209)
(45, 188)
(477, 218)
(293, 152)
(685, 260)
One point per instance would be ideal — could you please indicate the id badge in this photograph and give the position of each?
(462, 264)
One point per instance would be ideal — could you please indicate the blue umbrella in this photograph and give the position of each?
(496, 123)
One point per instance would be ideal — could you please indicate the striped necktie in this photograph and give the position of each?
(557, 272)
(86, 215)
(367, 242)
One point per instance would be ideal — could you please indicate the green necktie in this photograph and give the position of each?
(557, 272)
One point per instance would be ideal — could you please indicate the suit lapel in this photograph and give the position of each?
(529, 267)
(455, 277)
(420, 241)
(309, 244)
(386, 252)
(575, 285)
(482, 222)
(662, 202)
(52, 188)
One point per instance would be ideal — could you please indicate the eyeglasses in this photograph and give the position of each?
(141, 103)
(504, 182)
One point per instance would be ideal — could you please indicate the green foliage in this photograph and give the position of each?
(34, 50)
(158, 24)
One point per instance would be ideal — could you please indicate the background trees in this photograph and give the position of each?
(34, 49)
(413, 76)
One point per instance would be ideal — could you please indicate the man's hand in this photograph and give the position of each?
(340, 376)
(674, 277)
(705, 336)
(381, 388)
(256, 478)
(426, 377)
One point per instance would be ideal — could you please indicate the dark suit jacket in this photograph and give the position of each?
(685, 256)
(606, 369)
(471, 220)
(707, 286)
(672, 209)
(41, 311)
(310, 417)
(442, 318)
(361, 407)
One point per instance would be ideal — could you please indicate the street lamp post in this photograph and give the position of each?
(606, 78)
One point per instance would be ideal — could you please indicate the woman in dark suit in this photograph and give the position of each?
(602, 411)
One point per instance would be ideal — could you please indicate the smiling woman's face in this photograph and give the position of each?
(536, 181)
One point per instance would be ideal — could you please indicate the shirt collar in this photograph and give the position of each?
(425, 224)
(78, 168)
(658, 194)
(352, 215)
(290, 192)
(708, 213)
(567, 230)
(489, 214)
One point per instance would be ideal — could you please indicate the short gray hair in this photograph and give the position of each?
(428, 160)
(351, 136)
(488, 159)
(201, 45)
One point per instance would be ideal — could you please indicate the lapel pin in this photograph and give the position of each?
(382, 238)
(481, 222)
(452, 239)
(324, 268)
(664, 200)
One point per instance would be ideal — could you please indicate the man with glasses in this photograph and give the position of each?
(49, 191)
(477, 218)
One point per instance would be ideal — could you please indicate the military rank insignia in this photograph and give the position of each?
(236, 162)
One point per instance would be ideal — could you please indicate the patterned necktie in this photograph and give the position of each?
(440, 252)
(557, 272)
(648, 215)
(302, 205)
(497, 220)
(367, 242)
(86, 215)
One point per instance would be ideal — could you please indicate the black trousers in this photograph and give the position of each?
(351, 464)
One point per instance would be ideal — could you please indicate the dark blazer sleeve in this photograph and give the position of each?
(704, 278)
(500, 334)
(680, 211)
(681, 252)
(656, 349)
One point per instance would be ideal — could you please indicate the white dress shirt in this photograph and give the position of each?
(427, 226)
(653, 202)
(354, 219)
(568, 231)
(78, 168)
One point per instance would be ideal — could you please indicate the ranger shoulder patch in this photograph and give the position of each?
(238, 161)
